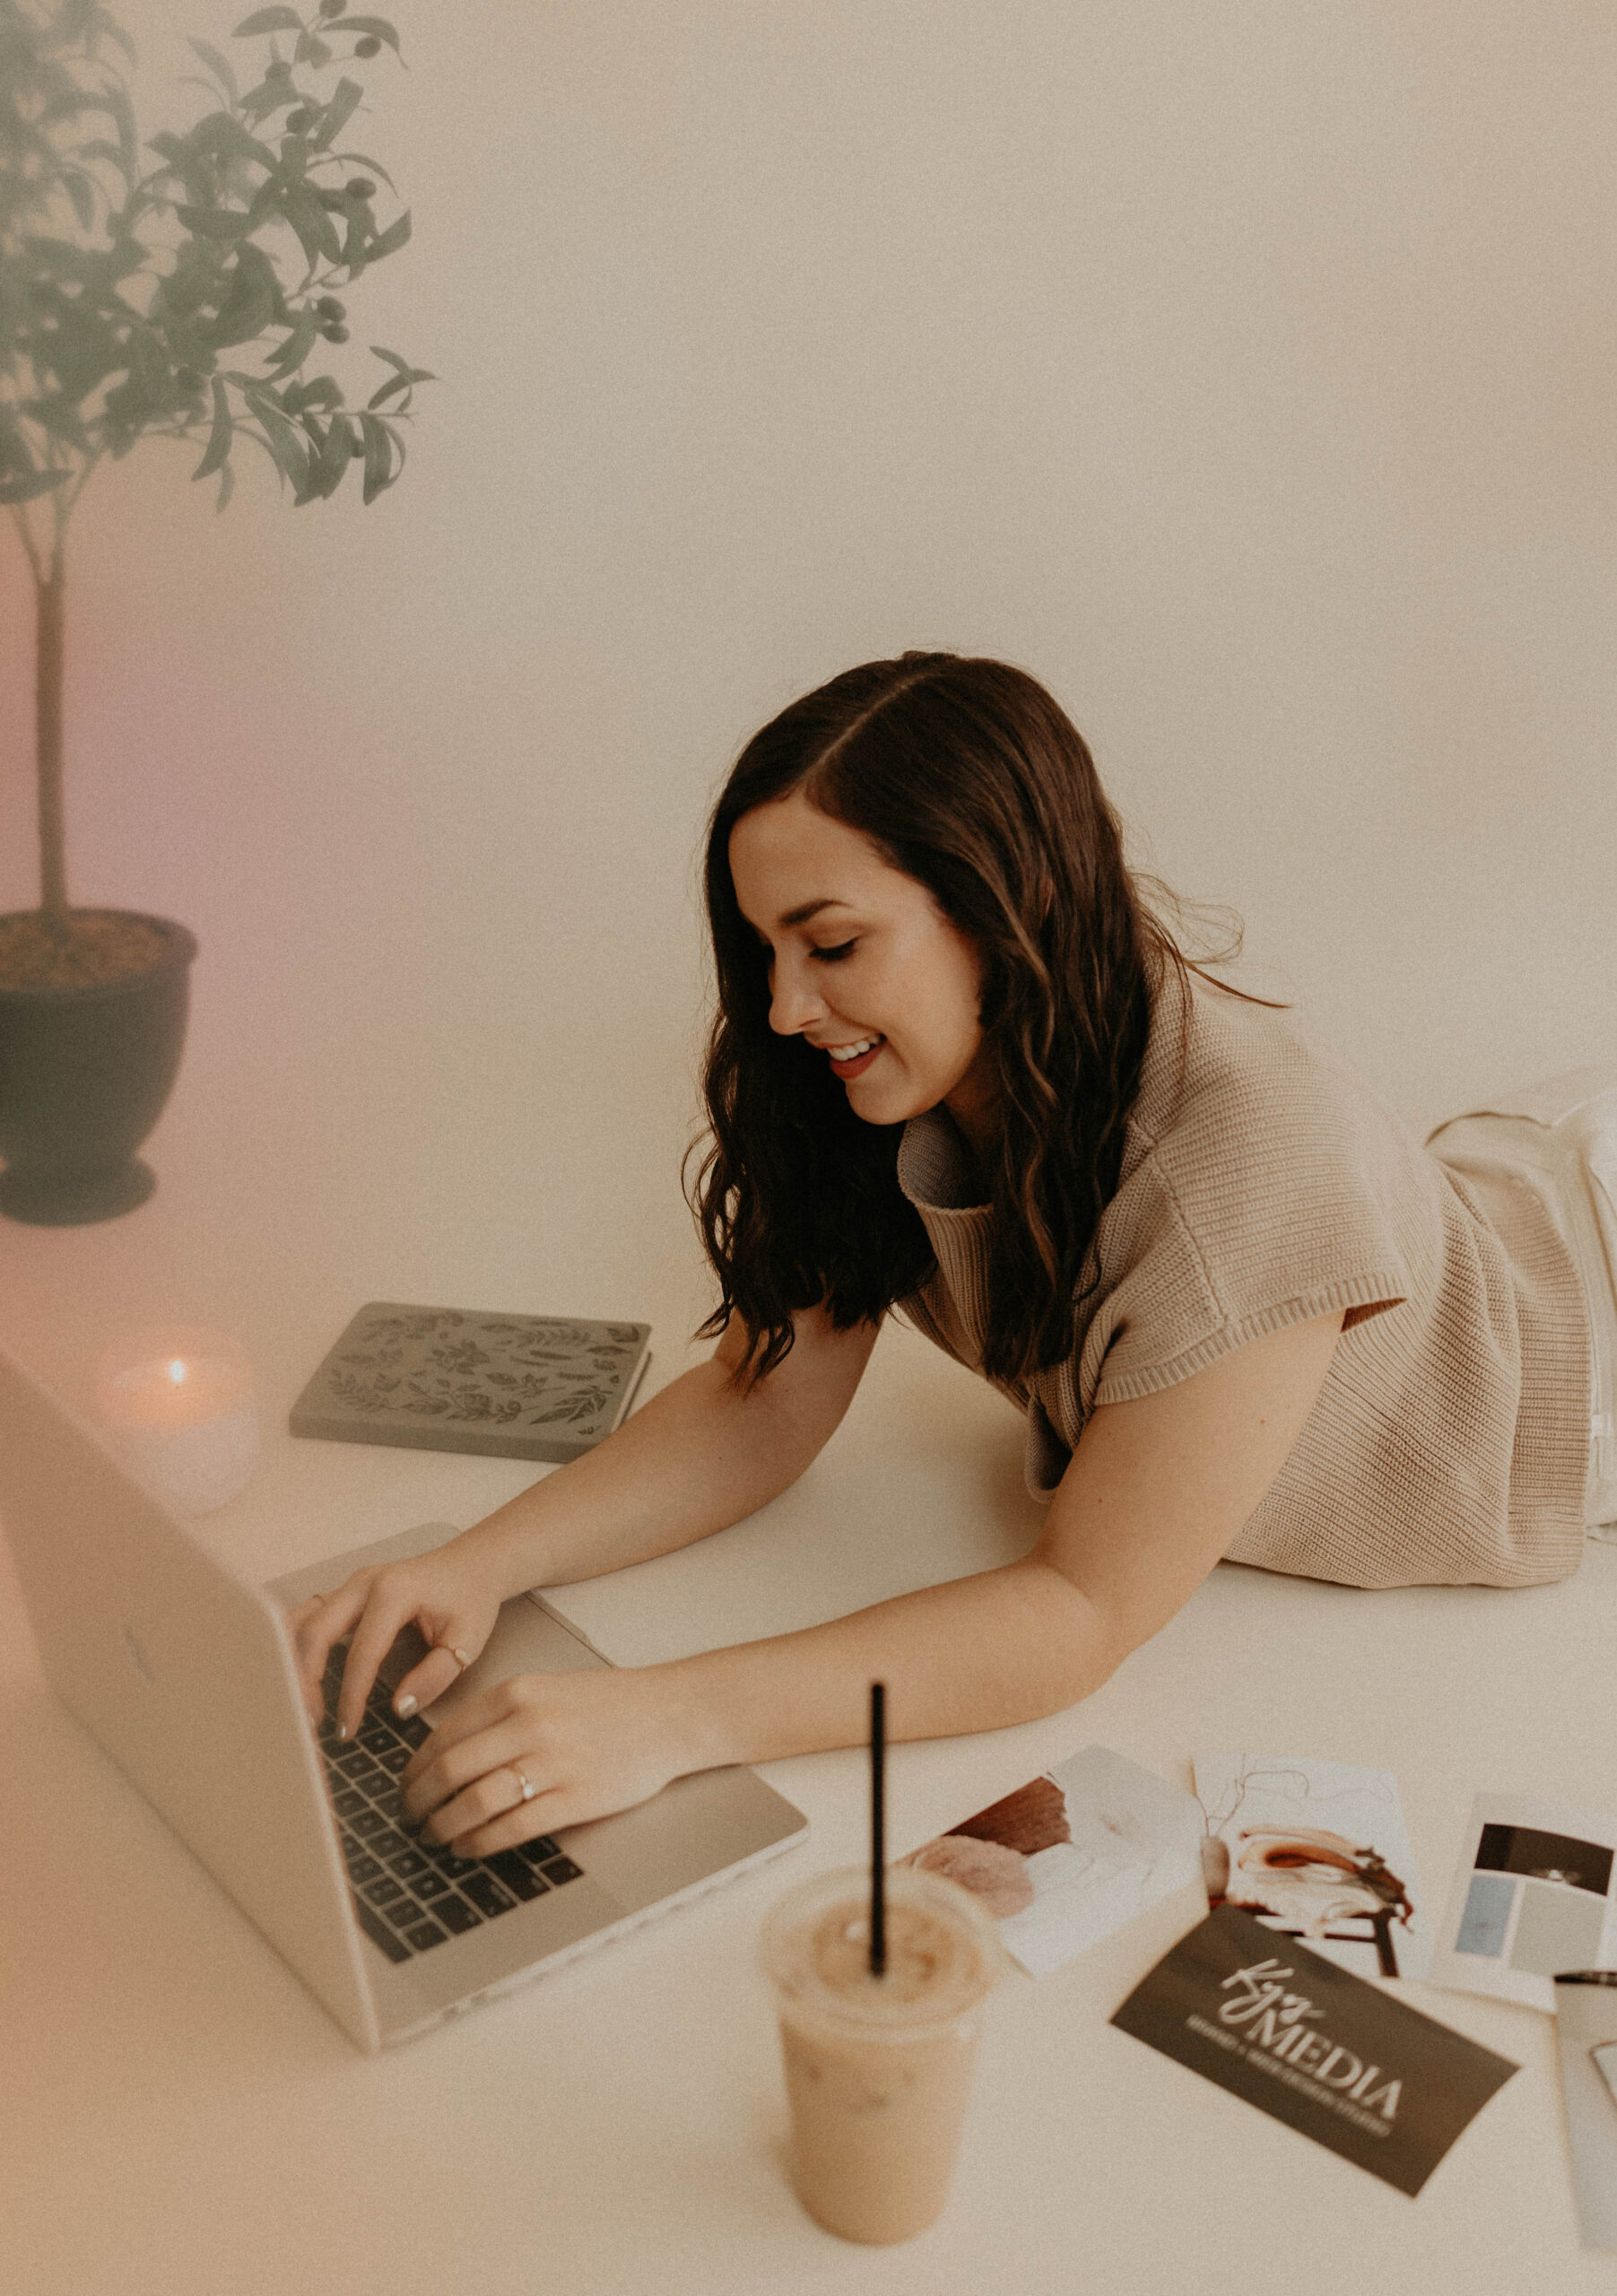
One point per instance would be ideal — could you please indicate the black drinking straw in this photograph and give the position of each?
(878, 1826)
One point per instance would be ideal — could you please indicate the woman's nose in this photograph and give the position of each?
(794, 1001)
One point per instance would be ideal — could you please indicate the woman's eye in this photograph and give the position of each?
(835, 956)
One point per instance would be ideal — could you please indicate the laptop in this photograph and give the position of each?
(185, 1675)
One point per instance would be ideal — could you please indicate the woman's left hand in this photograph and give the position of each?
(587, 1744)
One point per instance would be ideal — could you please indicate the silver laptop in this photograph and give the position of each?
(185, 1675)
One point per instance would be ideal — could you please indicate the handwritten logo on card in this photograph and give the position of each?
(1280, 2031)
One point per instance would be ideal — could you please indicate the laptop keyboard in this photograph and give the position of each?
(408, 1895)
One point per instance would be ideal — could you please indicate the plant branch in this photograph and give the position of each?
(35, 561)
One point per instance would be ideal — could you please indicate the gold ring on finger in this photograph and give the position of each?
(528, 1788)
(459, 1656)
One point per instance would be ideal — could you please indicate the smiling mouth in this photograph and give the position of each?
(850, 1060)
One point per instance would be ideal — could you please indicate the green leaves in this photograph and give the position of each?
(221, 436)
(380, 445)
(338, 112)
(269, 20)
(403, 380)
(312, 223)
(80, 190)
(215, 222)
(332, 456)
(366, 28)
(218, 65)
(286, 444)
(250, 305)
(118, 322)
(297, 346)
(388, 242)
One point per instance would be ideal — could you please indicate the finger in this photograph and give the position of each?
(388, 1605)
(487, 1710)
(442, 1668)
(496, 1795)
(321, 1621)
(461, 1769)
(552, 1806)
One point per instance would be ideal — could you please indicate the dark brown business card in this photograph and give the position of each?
(1314, 2046)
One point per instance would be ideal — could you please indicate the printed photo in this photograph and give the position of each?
(1072, 1855)
(1316, 1850)
(1531, 1897)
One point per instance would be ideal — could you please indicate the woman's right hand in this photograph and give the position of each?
(447, 1594)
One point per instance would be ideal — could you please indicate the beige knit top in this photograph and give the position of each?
(1263, 1184)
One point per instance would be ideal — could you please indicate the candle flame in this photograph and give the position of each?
(177, 1372)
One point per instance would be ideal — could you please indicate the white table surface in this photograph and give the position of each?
(178, 2115)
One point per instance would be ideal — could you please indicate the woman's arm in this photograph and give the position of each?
(701, 1454)
(1156, 1493)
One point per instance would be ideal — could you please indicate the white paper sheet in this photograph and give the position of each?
(1319, 1849)
(1130, 1839)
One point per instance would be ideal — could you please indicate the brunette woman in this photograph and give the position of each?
(961, 1073)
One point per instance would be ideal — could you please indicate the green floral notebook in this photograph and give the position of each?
(454, 1379)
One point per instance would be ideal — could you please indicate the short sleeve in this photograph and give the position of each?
(1265, 1203)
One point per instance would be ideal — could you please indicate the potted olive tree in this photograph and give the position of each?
(183, 289)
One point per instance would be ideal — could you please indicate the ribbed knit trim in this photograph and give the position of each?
(1384, 1289)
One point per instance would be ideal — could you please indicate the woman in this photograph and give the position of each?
(959, 1069)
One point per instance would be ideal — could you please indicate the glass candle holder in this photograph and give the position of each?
(179, 1406)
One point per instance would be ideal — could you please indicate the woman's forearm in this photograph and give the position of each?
(698, 1455)
(1005, 1646)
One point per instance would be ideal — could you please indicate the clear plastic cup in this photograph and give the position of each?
(878, 2070)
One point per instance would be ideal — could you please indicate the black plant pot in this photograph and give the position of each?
(83, 1077)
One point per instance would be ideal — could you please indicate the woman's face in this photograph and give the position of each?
(865, 966)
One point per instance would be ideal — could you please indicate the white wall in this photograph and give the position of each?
(1248, 371)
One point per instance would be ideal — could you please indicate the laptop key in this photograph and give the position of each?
(429, 1884)
(395, 1758)
(561, 1869)
(385, 1892)
(520, 1878)
(412, 1730)
(424, 1936)
(365, 1823)
(447, 1863)
(454, 1913)
(407, 1863)
(362, 1869)
(537, 1852)
(348, 1803)
(378, 1932)
(486, 1894)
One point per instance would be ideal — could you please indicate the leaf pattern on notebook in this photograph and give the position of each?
(475, 1370)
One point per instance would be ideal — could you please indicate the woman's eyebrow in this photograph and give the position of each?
(801, 915)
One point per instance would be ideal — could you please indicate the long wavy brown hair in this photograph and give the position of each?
(965, 774)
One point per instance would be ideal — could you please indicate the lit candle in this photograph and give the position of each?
(179, 1407)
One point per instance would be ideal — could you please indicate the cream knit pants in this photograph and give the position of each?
(1560, 1137)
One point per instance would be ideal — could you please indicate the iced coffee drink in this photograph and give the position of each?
(878, 2068)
